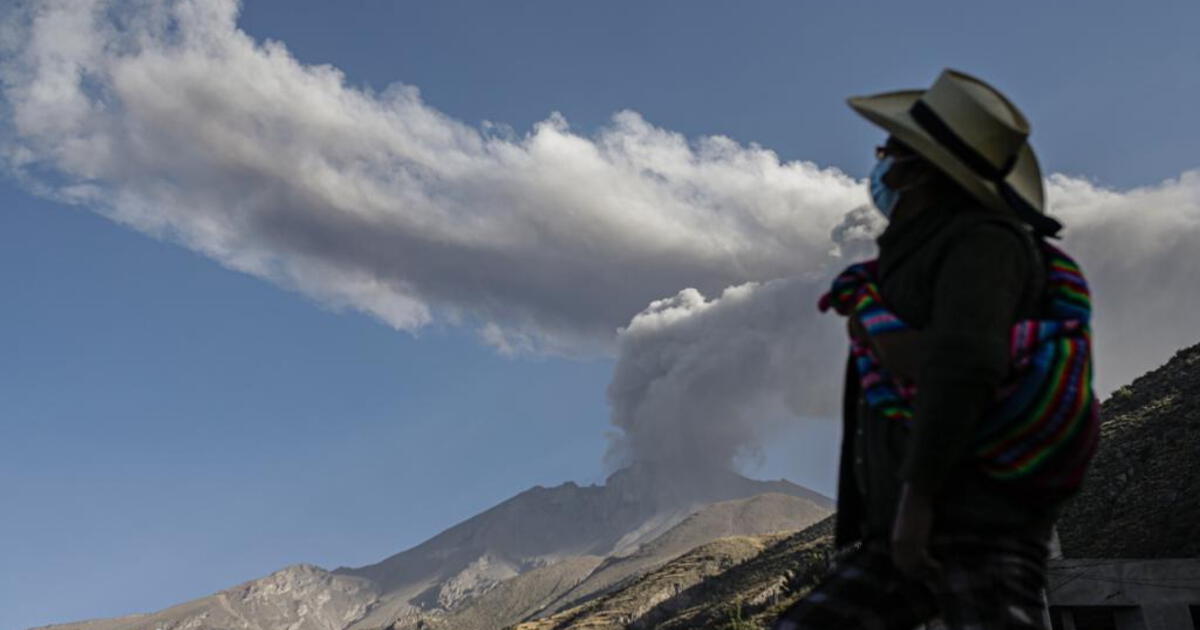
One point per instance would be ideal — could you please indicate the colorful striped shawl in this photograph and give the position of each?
(1043, 428)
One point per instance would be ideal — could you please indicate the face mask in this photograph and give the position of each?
(885, 197)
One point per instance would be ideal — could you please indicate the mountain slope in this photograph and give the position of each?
(514, 599)
(1146, 474)
(743, 577)
(574, 580)
(500, 566)
(301, 597)
(542, 527)
(761, 514)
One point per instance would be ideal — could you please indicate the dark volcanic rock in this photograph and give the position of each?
(1141, 498)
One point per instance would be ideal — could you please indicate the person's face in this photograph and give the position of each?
(903, 158)
(906, 175)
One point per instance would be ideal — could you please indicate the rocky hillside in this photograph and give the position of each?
(1146, 475)
(569, 583)
(543, 549)
(761, 514)
(742, 581)
(543, 527)
(301, 597)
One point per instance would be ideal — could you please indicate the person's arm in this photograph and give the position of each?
(900, 352)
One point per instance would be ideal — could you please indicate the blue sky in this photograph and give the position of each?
(170, 427)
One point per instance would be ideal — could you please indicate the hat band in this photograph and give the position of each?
(972, 159)
(936, 127)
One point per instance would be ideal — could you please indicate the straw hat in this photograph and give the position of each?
(967, 128)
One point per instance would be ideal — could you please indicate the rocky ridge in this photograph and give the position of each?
(300, 597)
(569, 583)
(741, 581)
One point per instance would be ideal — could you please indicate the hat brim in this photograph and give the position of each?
(890, 111)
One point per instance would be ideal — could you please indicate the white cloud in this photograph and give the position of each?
(165, 117)
(177, 124)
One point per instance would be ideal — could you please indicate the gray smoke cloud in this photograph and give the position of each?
(700, 380)
(165, 117)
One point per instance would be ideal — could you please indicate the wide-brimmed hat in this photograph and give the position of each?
(970, 131)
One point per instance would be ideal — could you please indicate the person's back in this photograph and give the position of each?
(946, 527)
(956, 252)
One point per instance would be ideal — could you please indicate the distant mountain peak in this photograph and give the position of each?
(670, 485)
(544, 547)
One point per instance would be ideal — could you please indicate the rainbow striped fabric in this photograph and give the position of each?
(1043, 428)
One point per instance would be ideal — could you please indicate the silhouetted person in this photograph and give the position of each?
(968, 411)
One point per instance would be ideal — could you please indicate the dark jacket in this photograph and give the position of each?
(962, 276)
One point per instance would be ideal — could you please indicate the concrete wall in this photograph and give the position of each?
(1143, 594)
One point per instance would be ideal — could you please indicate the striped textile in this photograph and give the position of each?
(1043, 428)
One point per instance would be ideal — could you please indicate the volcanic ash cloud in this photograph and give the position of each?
(706, 254)
(167, 118)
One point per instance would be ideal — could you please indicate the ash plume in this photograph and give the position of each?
(167, 118)
(701, 380)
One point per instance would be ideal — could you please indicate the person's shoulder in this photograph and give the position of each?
(978, 236)
(973, 227)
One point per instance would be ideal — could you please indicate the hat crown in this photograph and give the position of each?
(979, 115)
